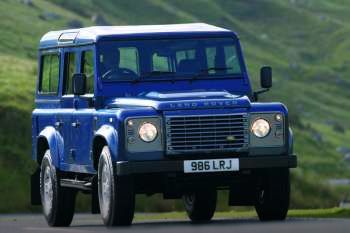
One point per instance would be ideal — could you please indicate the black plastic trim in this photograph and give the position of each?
(166, 166)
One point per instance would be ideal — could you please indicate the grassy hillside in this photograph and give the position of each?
(306, 42)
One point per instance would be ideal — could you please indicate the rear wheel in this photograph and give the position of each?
(200, 205)
(58, 202)
(116, 194)
(273, 195)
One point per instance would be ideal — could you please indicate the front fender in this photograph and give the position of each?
(55, 143)
(110, 135)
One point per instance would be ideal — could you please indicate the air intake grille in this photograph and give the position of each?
(206, 133)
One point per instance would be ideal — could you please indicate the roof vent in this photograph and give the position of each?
(67, 38)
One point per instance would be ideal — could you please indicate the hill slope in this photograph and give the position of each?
(306, 42)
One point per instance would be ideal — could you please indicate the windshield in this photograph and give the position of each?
(175, 58)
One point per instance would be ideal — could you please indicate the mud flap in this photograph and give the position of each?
(95, 206)
(35, 188)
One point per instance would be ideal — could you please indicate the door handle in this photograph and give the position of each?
(76, 124)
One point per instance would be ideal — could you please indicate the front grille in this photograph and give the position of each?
(206, 133)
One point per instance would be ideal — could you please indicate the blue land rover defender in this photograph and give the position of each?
(167, 109)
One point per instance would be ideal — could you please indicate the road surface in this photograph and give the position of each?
(92, 223)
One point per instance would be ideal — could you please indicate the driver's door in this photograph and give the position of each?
(84, 110)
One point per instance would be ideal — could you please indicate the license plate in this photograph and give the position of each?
(211, 165)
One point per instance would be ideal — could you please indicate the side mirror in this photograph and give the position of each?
(266, 77)
(265, 81)
(79, 84)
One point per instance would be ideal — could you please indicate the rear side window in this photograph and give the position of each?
(88, 70)
(49, 74)
(69, 70)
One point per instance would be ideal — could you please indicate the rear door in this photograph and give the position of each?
(47, 96)
(64, 117)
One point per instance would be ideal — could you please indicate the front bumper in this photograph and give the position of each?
(170, 166)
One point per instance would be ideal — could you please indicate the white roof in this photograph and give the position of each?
(118, 30)
(91, 34)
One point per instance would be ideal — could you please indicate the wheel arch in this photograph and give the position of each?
(42, 146)
(106, 135)
(49, 138)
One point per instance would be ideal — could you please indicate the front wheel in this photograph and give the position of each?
(58, 202)
(200, 205)
(273, 195)
(116, 195)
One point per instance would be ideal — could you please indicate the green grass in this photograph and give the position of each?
(299, 213)
(306, 42)
(320, 213)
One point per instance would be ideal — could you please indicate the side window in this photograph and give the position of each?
(88, 69)
(129, 58)
(49, 74)
(69, 70)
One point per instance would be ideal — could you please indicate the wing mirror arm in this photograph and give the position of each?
(257, 93)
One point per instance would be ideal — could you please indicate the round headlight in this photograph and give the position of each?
(261, 128)
(148, 132)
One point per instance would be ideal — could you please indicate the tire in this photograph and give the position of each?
(200, 205)
(116, 194)
(273, 195)
(58, 202)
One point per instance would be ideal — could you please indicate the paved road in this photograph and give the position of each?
(92, 223)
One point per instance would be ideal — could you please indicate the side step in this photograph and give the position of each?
(77, 184)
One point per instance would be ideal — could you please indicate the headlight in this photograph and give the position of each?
(261, 128)
(148, 132)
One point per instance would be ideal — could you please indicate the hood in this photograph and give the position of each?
(182, 100)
